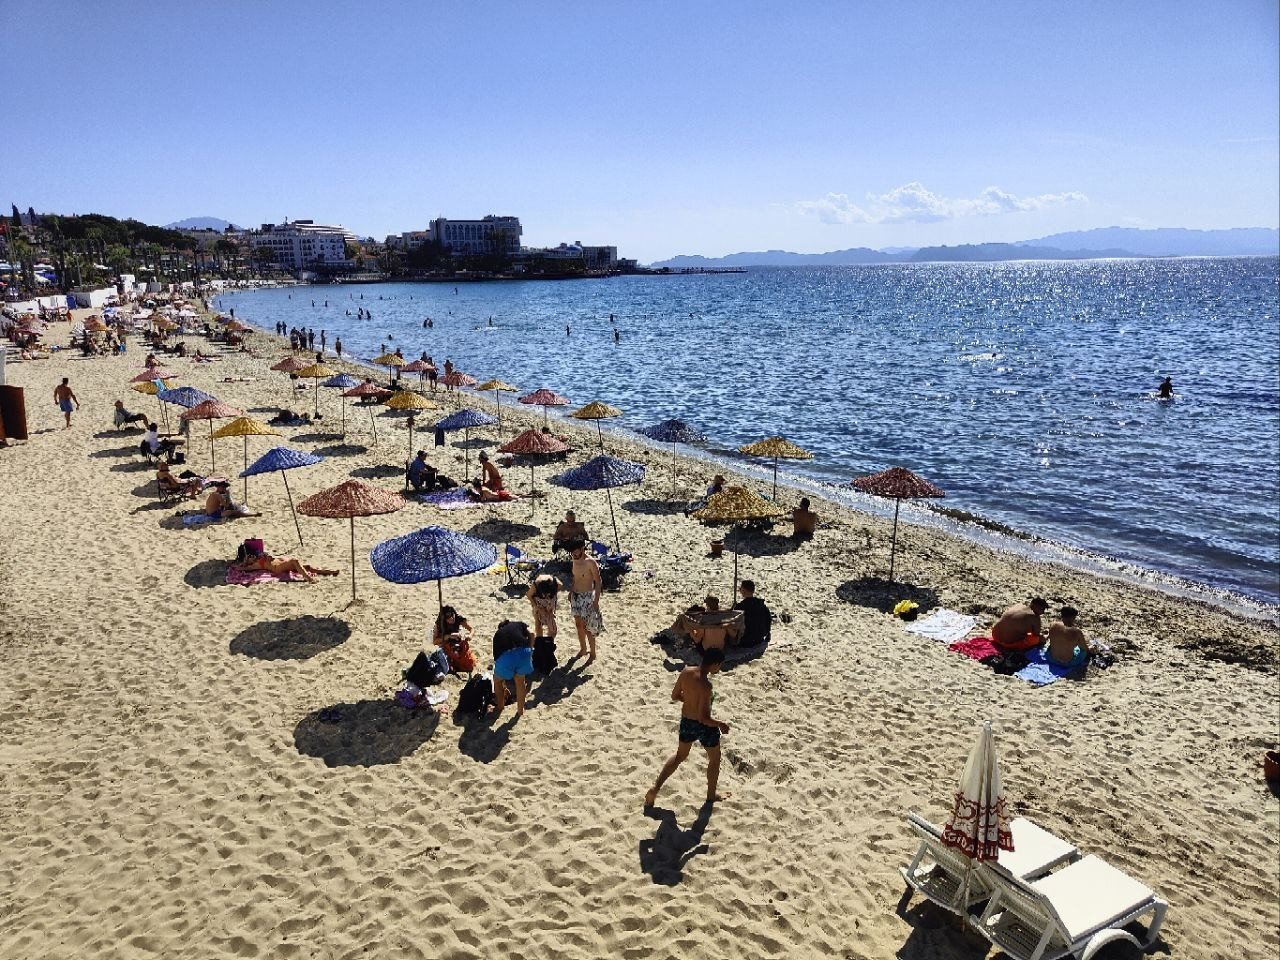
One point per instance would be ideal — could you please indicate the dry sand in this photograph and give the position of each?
(167, 789)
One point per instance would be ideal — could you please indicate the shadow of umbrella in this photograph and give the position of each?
(364, 734)
(299, 638)
(877, 593)
(500, 530)
(206, 573)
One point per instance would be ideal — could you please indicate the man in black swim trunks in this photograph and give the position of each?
(693, 691)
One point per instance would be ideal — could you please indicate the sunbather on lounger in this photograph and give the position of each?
(170, 484)
(1018, 628)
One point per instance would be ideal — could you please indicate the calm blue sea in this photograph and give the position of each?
(1025, 390)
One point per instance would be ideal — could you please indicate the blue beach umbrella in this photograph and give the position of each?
(186, 397)
(672, 431)
(464, 420)
(282, 459)
(431, 553)
(603, 473)
(343, 382)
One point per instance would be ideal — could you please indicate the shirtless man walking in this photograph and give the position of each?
(694, 693)
(584, 601)
(64, 397)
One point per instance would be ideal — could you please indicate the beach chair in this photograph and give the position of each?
(1071, 913)
(521, 567)
(613, 566)
(938, 871)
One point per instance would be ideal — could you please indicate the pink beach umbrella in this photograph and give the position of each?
(544, 398)
(211, 410)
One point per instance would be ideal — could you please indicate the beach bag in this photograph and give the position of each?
(476, 695)
(458, 652)
(410, 696)
(427, 670)
(544, 655)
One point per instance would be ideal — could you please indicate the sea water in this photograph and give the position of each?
(1027, 391)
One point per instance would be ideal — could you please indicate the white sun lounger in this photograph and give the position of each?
(938, 871)
(1073, 912)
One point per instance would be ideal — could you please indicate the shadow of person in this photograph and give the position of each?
(206, 573)
(881, 594)
(559, 684)
(131, 466)
(363, 734)
(114, 452)
(341, 450)
(666, 855)
(298, 638)
(481, 741)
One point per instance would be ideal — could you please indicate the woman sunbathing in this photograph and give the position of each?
(280, 566)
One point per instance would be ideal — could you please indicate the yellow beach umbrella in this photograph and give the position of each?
(779, 448)
(408, 400)
(246, 427)
(734, 505)
(315, 372)
(149, 388)
(498, 387)
(597, 411)
(390, 360)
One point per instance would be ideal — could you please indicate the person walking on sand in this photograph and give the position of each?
(65, 397)
(693, 692)
(584, 601)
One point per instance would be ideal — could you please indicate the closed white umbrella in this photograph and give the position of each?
(979, 824)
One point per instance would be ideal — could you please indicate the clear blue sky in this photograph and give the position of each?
(662, 127)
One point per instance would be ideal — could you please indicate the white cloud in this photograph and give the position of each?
(915, 203)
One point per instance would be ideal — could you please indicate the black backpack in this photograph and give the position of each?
(476, 695)
(544, 655)
(427, 670)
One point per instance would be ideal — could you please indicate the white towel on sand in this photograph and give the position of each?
(943, 625)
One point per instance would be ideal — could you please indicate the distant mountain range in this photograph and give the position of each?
(201, 223)
(1078, 245)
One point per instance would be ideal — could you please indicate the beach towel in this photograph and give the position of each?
(196, 519)
(943, 625)
(975, 648)
(1040, 671)
(249, 578)
(455, 499)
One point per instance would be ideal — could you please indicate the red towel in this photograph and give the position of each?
(975, 648)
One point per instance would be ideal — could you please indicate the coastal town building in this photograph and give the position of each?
(491, 235)
(410, 240)
(304, 244)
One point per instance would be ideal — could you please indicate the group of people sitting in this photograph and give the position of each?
(749, 623)
(1019, 630)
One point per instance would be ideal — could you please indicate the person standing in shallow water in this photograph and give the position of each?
(694, 694)
(1166, 389)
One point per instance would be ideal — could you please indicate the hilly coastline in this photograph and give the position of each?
(1100, 243)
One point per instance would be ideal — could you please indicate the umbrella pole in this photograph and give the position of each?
(213, 460)
(545, 415)
(617, 541)
(317, 398)
(600, 431)
(353, 558)
(893, 543)
(734, 592)
(775, 479)
(246, 466)
(296, 525)
(374, 424)
(439, 595)
(466, 453)
(410, 451)
(344, 418)
(497, 398)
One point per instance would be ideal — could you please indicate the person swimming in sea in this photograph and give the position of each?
(1166, 389)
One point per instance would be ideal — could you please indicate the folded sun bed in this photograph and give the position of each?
(938, 871)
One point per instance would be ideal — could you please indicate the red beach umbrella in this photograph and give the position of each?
(369, 389)
(211, 410)
(900, 484)
(544, 398)
(348, 500)
(290, 364)
(534, 444)
(153, 373)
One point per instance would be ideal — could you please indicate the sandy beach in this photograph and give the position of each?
(168, 787)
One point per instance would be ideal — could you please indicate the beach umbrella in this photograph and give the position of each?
(672, 432)
(900, 484)
(416, 366)
(282, 459)
(735, 505)
(544, 398)
(314, 372)
(389, 360)
(408, 400)
(211, 410)
(464, 420)
(499, 388)
(367, 389)
(343, 381)
(979, 824)
(185, 397)
(151, 388)
(348, 500)
(235, 326)
(431, 553)
(534, 445)
(776, 448)
(246, 427)
(597, 411)
(603, 473)
(154, 373)
(290, 364)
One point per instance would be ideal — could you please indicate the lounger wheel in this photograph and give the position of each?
(1101, 939)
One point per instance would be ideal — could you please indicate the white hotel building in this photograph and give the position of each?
(490, 235)
(304, 244)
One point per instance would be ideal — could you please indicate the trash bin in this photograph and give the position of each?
(13, 413)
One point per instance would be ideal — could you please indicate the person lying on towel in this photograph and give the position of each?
(478, 491)
(1018, 628)
(251, 556)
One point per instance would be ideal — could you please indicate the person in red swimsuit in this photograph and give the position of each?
(1018, 628)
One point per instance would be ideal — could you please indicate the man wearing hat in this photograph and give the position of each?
(421, 474)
